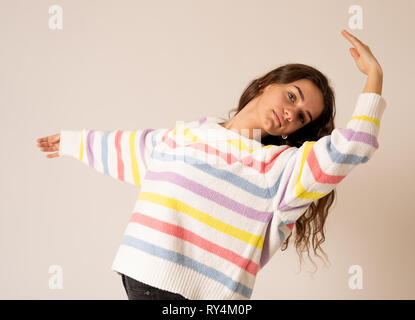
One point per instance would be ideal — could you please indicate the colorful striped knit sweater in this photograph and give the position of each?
(215, 206)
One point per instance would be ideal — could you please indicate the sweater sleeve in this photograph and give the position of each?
(121, 154)
(314, 169)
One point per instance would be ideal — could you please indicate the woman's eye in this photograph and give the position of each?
(301, 115)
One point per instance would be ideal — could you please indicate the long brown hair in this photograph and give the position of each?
(312, 221)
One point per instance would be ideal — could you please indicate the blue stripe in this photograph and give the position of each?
(104, 153)
(339, 157)
(189, 263)
(222, 174)
(273, 190)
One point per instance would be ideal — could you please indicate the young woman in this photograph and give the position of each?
(203, 231)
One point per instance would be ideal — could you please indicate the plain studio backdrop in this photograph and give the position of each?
(147, 64)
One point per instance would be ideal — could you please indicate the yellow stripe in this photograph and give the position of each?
(366, 118)
(303, 194)
(81, 151)
(240, 145)
(221, 226)
(300, 191)
(134, 164)
(190, 135)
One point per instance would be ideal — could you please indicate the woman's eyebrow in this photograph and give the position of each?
(302, 99)
(300, 92)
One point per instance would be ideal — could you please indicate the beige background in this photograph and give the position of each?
(146, 64)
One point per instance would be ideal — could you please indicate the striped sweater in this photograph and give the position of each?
(215, 206)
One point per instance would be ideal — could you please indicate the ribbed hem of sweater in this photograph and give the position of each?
(70, 142)
(170, 276)
(371, 104)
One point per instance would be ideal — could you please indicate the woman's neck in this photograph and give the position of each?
(243, 130)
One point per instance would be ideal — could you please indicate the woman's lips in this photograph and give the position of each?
(276, 117)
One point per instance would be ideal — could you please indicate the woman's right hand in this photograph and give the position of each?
(365, 60)
(50, 143)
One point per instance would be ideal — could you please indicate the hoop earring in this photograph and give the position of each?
(284, 137)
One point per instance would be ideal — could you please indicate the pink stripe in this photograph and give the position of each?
(318, 173)
(193, 238)
(249, 161)
(268, 165)
(120, 163)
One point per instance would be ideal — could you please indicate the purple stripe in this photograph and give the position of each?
(361, 136)
(202, 120)
(143, 145)
(210, 194)
(89, 145)
(265, 249)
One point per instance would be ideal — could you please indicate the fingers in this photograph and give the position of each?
(353, 40)
(53, 155)
(52, 138)
(48, 149)
(47, 144)
(354, 53)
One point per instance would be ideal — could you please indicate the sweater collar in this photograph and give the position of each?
(213, 122)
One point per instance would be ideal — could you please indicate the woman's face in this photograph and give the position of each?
(295, 104)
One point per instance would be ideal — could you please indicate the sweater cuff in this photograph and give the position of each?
(370, 104)
(70, 143)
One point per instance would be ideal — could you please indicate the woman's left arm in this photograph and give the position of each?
(374, 82)
(367, 63)
(317, 167)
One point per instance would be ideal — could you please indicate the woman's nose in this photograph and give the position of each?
(290, 113)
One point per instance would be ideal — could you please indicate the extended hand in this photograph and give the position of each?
(365, 60)
(50, 143)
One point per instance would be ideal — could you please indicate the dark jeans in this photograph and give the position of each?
(137, 290)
